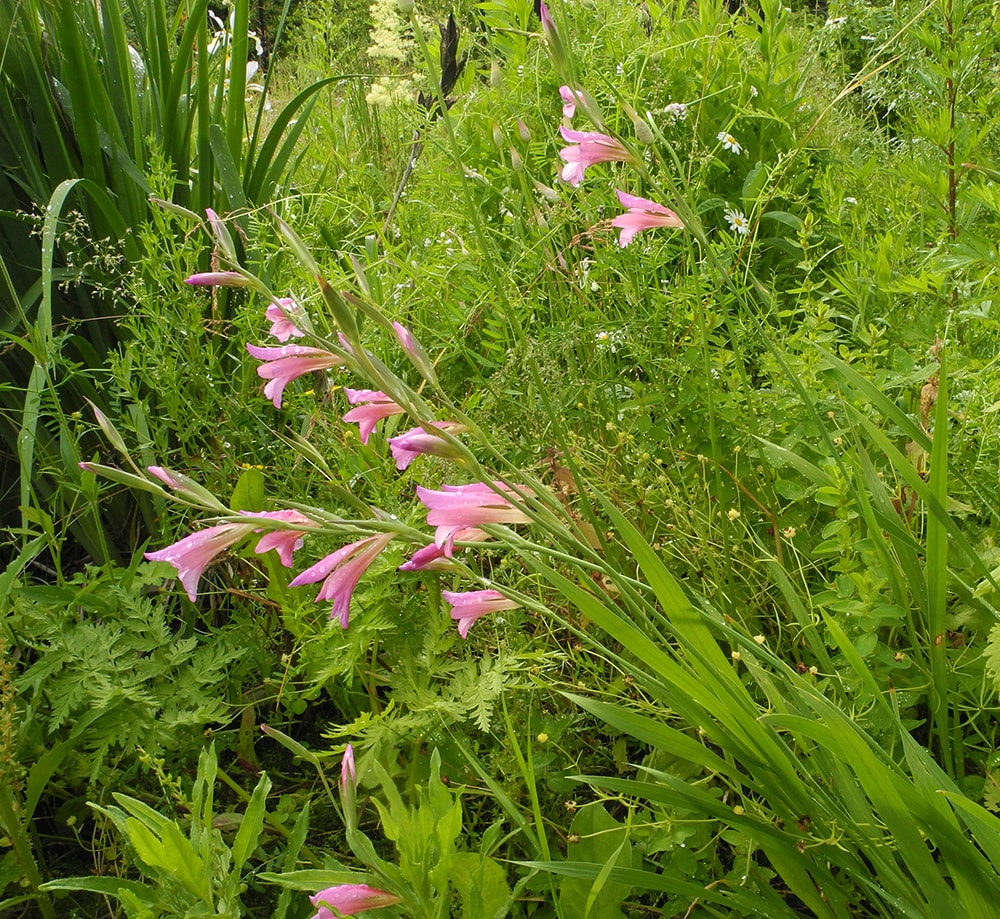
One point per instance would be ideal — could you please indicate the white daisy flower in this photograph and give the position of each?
(737, 221)
(729, 142)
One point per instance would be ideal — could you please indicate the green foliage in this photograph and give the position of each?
(761, 569)
(117, 678)
(193, 873)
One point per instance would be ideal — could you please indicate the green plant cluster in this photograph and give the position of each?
(755, 663)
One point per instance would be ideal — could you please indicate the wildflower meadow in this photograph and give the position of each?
(500, 459)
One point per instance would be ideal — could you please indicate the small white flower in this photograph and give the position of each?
(677, 111)
(610, 341)
(754, 92)
(851, 200)
(729, 142)
(835, 23)
(737, 221)
(620, 69)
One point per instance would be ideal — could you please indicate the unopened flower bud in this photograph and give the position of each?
(643, 132)
(498, 137)
(523, 130)
(515, 160)
(405, 7)
(496, 74)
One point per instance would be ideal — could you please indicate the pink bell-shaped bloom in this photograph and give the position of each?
(284, 364)
(193, 554)
(435, 557)
(341, 571)
(589, 147)
(409, 445)
(349, 900)
(371, 406)
(455, 507)
(283, 541)
(469, 606)
(642, 214)
(281, 315)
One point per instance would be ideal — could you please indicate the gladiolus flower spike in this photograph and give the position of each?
(284, 541)
(193, 554)
(281, 315)
(456, 507)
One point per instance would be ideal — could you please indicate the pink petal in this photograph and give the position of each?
(193, 554)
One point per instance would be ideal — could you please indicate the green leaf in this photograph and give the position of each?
(482, 885)
(251, 825)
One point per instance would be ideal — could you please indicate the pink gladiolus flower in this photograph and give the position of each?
(280, 314)
(284, 364)
(435, 557)
(458, 506)
(219, 279)
(571, 98)
(590, 147)
(409, 445)
(372, 407)
(284, 542)
(194, 553)
(467, 607)
(642, 214)
(342, 570)
(350, 899)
